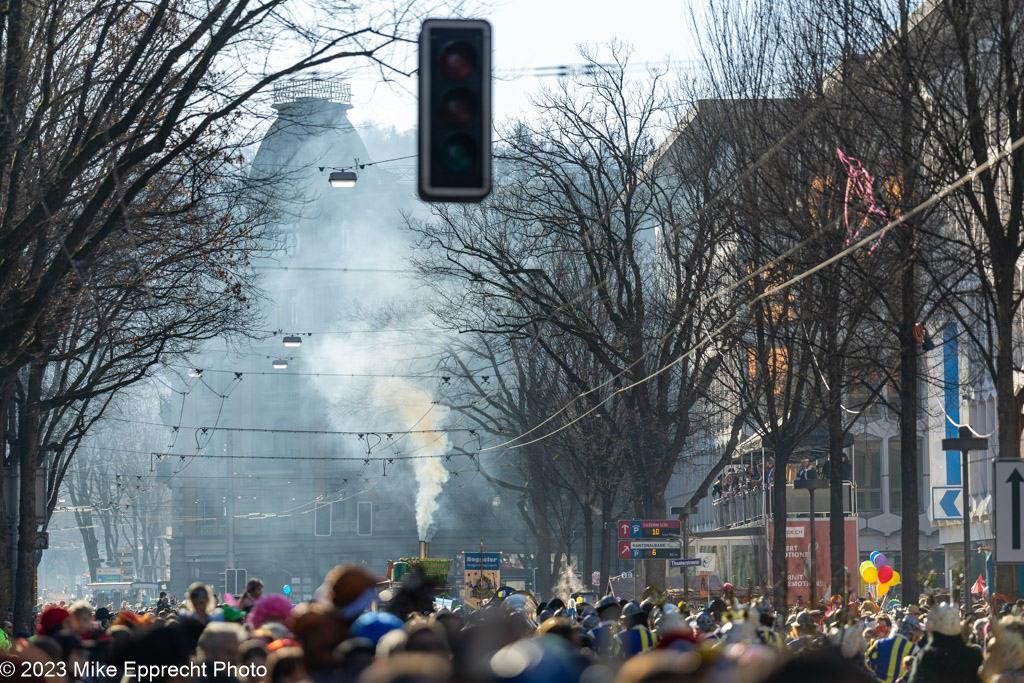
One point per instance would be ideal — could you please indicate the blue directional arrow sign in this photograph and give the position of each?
(947, 503)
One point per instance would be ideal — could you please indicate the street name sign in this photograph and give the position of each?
(686, 562)
(1009, 530)
(650, 550)
(648, 528)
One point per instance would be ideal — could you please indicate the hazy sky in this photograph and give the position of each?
(537, 33)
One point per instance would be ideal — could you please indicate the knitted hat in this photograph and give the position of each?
(944, 619)
(270, 608)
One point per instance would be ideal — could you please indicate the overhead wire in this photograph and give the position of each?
(855, 246)
(662, 369)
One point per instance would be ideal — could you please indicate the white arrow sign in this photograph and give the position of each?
(1008, 492)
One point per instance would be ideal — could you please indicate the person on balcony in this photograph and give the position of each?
(806, 471)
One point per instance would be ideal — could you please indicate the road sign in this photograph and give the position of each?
(650, 550)
(686, 562)
(648, 528)
(108, 574)
(947, 503)
(1009, 535)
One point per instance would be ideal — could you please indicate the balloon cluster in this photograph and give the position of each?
(875, 570)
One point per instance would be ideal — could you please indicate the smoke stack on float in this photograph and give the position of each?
(424, 550)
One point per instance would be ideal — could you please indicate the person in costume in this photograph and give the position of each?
(946, 658)
(253, 592)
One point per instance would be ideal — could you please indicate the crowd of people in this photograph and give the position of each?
(348, 634)
(740, 479)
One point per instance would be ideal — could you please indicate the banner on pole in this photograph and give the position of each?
(483, 576)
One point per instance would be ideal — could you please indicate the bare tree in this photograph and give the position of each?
(566, 245)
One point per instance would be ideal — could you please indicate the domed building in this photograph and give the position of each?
(271, 488)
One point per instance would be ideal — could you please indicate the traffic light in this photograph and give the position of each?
(455, 110)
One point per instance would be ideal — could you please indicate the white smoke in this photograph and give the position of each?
(418, 413)
(567, 583)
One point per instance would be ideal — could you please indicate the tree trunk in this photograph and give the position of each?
(781, 584)
(606, 535)
(908, 378)
(654, 508)
(587, 561)
(836, 513)
(6, 580)
(543, 526)
(6, 598)
(28, 455)
(84, 519)
(1007, 408)
(908, 367)
(835, 370)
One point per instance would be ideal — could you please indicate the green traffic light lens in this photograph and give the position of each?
(457, 152)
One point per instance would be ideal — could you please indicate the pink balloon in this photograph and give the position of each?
(879, 561)
(884, 574)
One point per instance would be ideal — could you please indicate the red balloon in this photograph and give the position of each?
(884, 574)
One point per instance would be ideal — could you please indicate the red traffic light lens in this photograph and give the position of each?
(457, 61)
(457, 152)
(457, 107)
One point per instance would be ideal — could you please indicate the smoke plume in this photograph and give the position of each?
(417, 412)
(567, 583)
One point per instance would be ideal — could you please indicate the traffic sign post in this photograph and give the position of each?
(1009, 538)
(966, 443)
(639, 548)
(648, 528)
(650, 550)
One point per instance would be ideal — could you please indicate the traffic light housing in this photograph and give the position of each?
(455, 110)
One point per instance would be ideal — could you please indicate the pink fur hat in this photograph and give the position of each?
(270, 608)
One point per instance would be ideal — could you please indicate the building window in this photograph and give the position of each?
(895, 482)
(322, 519)
(867, 471)
(364, 519)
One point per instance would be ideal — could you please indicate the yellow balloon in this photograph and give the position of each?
(883, 588)
(895, 580)
(869, 574)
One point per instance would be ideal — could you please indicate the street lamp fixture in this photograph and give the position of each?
(195, 372)
(293, 342)
(343, 179)
(280, 364)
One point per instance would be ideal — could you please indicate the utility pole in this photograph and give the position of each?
(229, 512)
(966, 443)
(684, 521)
(812, 485)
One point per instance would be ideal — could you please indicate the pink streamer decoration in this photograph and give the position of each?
(860, 185)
